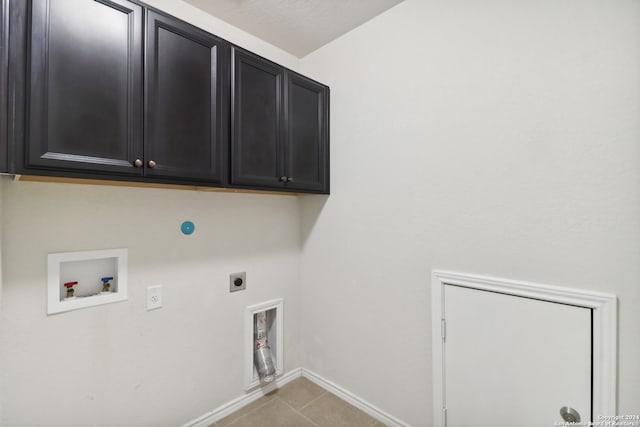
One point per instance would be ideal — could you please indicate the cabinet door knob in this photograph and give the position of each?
(283, 178)
(152, 164)
(289, 179)
(137, 163)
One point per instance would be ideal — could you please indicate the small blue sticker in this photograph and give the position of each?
(187, 228)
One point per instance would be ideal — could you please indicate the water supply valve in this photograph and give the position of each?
(106, 285)
(70, 290)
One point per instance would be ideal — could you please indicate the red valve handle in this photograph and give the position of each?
(70, 284)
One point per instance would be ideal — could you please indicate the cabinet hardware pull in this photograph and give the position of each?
(289, 179)
(152, 164)
(137, 163)
(283, 178)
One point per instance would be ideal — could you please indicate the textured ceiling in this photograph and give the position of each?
(297, 26)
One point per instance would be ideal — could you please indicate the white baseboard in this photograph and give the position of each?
(356, 401)
(232, 406)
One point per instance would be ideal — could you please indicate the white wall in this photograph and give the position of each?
(496, 137)
(492, 137)
(118, 364)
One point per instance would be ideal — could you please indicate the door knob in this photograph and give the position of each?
(289, 179)
(283, 178)
(137, 163)
(152, 164)
(570, 415)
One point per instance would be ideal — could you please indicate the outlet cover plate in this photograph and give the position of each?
(237, 281)
(154, 297)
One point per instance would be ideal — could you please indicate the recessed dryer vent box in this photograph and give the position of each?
(83, 273)
(275, 315)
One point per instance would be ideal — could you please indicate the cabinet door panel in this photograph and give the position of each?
(85, 85)
(257, 152)
(307, 148)
(185, 124)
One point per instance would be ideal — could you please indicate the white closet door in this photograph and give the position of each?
(514, 361)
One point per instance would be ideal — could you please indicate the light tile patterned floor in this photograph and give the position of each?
(300, 403)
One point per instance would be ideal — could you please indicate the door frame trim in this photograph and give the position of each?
(605, 317)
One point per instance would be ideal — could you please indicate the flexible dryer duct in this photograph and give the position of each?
(262, 357)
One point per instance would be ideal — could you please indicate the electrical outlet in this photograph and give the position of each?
(154, 297)
(237, 281)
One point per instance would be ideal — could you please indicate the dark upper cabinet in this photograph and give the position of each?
(113, 89)
(84, 86)
(307, 148)
(186, 113)
(279, 137)
(257, 143)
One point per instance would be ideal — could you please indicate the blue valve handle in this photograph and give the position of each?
(106, 279)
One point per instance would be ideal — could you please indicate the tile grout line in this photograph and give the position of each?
(313, 400)
(276, 398)
(308, 419)
(298, 412)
